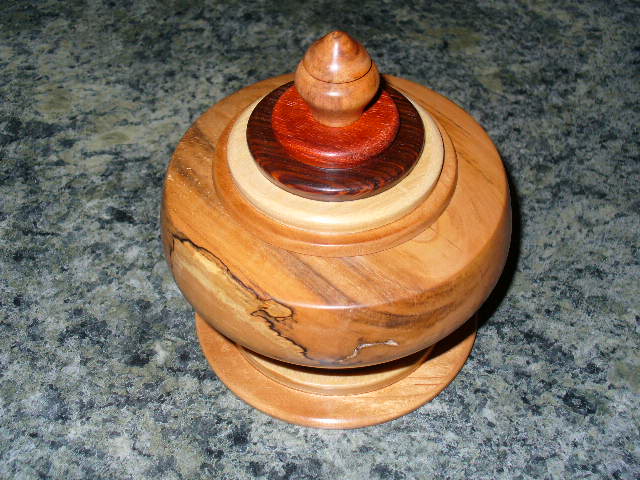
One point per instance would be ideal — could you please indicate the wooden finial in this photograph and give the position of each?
(337, 79)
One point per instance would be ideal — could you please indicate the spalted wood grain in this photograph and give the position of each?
(380, 172)
(313, 143)
(336, 312)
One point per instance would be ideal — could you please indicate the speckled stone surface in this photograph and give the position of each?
(101, 375)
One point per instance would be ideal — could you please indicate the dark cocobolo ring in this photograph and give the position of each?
(348, 178)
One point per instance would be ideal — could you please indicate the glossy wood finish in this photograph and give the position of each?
(348, 381)
(328, 243)
(313, 143)
(336, 312)
(337, 79)
(362, 180)
(317, 216)
(340, 411)
(337, 58)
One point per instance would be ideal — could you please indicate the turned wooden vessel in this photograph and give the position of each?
(335, 236)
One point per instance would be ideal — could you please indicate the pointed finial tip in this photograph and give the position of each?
(337, 58)
(337, 79)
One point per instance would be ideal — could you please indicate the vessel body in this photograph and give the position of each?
(303, 302)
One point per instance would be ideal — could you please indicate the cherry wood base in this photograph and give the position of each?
(337, 411)
(347, 381)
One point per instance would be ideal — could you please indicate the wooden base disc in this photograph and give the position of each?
(337, 411)
(346, 381)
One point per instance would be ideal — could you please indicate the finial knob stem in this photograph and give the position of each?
(337, 79)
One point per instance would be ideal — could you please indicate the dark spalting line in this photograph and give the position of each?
(373, 317)
(207, 253)
(275, 323)
(183, 239)
(339, 184)
(322, 286)
(272, 321)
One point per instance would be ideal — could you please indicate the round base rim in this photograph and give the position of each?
(337, 411)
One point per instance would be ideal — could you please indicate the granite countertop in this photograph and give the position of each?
(101, 375)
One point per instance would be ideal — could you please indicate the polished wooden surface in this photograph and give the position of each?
(319, 180)
(336, 243)
(337, 411)
(349, 381)
(317, 216)
(313, 143)
(336, 312)
(337, 79)
(337, 58)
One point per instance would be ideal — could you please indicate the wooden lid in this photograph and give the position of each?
(323, 163)
(339, 134)
(313, 143)
(313, 215)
